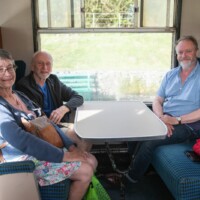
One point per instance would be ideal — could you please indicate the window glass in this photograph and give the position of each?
(125, 46)
(77, 14)
(42, 11)
(104, 14)
(126, 65)
(60, 13)
(171, 22)
(156, 15)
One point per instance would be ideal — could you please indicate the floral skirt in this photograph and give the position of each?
(48, 173)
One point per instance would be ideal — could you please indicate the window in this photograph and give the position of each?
(127, 45)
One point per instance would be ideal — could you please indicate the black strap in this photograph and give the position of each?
(1, 155)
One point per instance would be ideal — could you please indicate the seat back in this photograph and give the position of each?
(21, 69)
(84, 84)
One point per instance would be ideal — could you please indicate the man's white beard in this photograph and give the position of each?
(186, 65)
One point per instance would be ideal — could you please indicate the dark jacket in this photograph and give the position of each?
(61, 94)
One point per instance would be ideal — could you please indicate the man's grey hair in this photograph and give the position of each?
(189, 38)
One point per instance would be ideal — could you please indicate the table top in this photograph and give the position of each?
(117, 121)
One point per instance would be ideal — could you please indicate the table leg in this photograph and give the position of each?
(112, 160)
(114, 166)
(137, 146)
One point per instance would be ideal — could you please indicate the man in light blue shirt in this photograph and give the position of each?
(178, 94)
(177, 104)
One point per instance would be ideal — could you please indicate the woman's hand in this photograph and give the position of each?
(75, 154)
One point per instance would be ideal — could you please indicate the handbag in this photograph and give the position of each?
(41, 126)
(196, 147)
(96, 191)
(44, 129)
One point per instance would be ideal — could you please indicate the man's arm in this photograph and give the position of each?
(72, 98)
(191, 117)
(172, 120)
(57, 114)
(187, 118)
(158, 110)
(157, 106)
(66, 100)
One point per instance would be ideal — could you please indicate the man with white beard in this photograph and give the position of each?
(177, 104)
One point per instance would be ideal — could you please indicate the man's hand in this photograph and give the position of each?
(169, 122)
(170, 129)
(169, 119)
(58, 114)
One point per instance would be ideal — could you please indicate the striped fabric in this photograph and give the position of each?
(179, 173)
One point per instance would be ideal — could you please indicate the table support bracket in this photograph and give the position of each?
(112, 160)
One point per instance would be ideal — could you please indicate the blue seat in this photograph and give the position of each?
(21, 69)
(58, 191)
(84, 84)
(179, 173)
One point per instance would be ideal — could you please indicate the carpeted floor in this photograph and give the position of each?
(150, 187)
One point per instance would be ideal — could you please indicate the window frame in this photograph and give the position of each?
(175, 30)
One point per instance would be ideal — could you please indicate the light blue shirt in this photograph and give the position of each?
(180, 99)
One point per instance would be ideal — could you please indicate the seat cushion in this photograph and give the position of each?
(179, 173)
(58, 191)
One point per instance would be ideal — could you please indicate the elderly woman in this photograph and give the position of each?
(52, 164)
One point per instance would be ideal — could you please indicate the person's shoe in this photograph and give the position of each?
(113, 179)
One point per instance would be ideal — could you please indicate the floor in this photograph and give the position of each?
(150, 187)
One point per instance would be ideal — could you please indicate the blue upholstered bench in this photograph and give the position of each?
(84, 84)
(179, 173)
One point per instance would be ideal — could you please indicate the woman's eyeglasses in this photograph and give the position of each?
(9, 69)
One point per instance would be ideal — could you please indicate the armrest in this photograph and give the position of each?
(17, 181)
(58, 191)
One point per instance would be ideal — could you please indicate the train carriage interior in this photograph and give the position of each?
(107, 50)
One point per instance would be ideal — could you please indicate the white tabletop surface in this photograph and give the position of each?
(117, 120)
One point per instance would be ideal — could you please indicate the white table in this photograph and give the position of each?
(108, 121)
